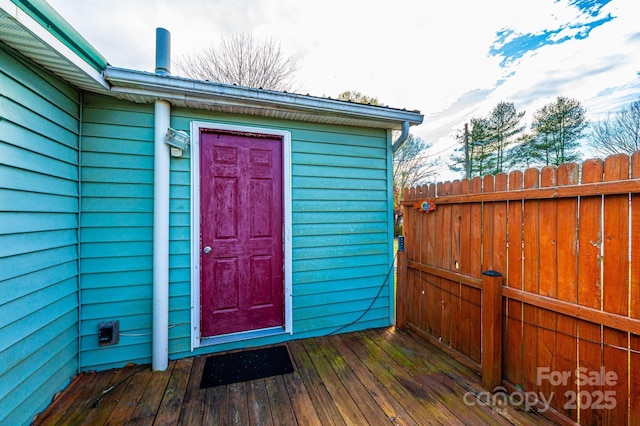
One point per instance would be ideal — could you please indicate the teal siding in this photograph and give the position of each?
(116, 238)
(342, 236)
(340, 229)
(391, 290)
(180, 253)
(39, 122)
(76, 232)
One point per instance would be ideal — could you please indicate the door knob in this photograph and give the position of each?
(207, 250)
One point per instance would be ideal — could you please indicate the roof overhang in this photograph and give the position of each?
(145, 87)
(40, 38)
(38, 32)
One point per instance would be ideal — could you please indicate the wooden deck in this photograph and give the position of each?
(377, 377)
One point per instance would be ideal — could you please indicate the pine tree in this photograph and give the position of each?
(557, 128)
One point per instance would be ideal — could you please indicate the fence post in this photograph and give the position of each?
(491, 358)
(401, 283)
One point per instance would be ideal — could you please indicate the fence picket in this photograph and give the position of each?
(428, 291)
(634, 288)
(530, 282)
(425, 245)
(548, 279)
(615, 285)
(488, 186)
(412, 241)
(512, 346)
(475, 251)
(455, 300)
(499, 251)
(464, 268)
(589, 281)
(567, 248)
(445, 263)
(567, 241)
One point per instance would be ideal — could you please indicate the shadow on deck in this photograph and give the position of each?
(376, 377)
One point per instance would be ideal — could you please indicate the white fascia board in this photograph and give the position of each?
(46, 38)
(181, 89)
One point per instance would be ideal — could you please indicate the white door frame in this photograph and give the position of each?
(196, 339)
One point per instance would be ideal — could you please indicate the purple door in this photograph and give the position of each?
(241, 242)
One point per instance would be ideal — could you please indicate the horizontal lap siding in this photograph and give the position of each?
(116, 230)
(39, 120)
(341, 230)
(180, 253)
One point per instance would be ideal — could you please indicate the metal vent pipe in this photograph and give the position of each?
(163, 51)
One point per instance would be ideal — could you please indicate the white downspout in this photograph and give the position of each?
(161, 169)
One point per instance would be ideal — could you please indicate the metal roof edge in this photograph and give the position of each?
(45, 28)
(29, 31)
(54, 23)
(152, 85)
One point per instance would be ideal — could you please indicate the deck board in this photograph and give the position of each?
(259, 412)
(194, 399)
(375, 377)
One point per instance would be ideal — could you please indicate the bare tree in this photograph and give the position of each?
(618, 134)
(243, 61)
(412, 165)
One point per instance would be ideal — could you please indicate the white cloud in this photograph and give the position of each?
(431, 56)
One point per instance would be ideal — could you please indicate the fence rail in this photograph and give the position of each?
(567, 308)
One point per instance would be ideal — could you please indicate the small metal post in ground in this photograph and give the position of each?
(401, 289)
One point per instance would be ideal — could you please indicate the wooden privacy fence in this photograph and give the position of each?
(563, 319)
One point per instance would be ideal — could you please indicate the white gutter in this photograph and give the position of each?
(144, 86)
(161, 170)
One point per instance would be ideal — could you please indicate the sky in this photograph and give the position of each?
(451, 60)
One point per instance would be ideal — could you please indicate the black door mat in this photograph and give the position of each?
(246, 365)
